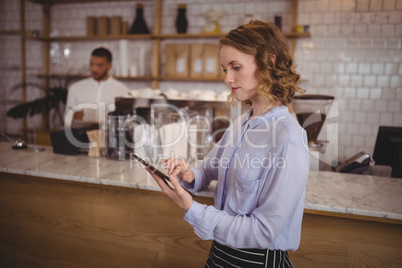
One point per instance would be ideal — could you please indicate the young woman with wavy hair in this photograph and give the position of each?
(261, 163)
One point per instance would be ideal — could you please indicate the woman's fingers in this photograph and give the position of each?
(177, 194)
(175, 166)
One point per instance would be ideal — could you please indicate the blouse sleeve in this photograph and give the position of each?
(280, 208)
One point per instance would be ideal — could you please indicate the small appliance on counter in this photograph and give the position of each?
(69, 141)
(357, 164)
(118, 142)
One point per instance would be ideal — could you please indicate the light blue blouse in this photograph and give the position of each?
(261, 167)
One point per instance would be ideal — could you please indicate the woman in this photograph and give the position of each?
(261, 163)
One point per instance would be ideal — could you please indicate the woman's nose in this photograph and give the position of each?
(229, 78)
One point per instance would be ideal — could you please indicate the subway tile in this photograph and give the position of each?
(360, 117)
(369, 80)
(349, 92)
(396, 55)
(394, 43)
(397, 119)
(375, 5)
(329, 18)
(363, 93)
(354, 105)
(399, 4)
(378, 68)
(356, 80)
(364, 68)
(326, 67)
(380, 106)
(362, 5)
(366, 105)
(348, 5)
(389, 5)
(383, 81)
(388, 30)
(374, 30)
(375, 93)
(396, 81)
(391, 68)
(339, 67)
(334, 30)
(370, 140)
(344, 80)
(389, 93)
(395, 17)
(335, 5)
(353, 128)
(379, 43)
(346, 117)
(358, 141)
(360, 29)
(351, 67)
(386, 118)
(365, 130)
(366, 42)
(394, 106)
(321, 6)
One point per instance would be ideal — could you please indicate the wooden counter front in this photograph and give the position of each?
(53, 223)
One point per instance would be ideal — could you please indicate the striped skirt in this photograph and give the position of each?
(223, 256)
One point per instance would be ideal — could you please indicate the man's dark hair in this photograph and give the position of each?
(102, 52)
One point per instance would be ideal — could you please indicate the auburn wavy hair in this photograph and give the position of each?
(262, 39)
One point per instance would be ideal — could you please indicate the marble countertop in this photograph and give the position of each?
(326, 191)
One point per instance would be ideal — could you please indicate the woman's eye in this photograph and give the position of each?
(224, 70)
(236, 68)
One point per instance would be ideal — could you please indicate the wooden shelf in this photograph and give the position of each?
(131, 78)
(297, 35)
(156, 38)
(167, 78)
(55, 2)
(92, 38)
(147, 36)
(79, 76)
(187, 36)
(10, 32)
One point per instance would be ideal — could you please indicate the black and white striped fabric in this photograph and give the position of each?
(223, 256)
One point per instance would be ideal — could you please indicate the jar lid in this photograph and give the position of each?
(181, 6)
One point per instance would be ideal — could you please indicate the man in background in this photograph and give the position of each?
(91, 99)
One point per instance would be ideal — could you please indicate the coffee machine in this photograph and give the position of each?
(311, 112)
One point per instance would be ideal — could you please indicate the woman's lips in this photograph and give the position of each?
(234, 89)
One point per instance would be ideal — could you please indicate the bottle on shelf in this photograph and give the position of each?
(181, 20)
(139, 25)
(278, 20)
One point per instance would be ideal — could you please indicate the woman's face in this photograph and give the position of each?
(240, 72)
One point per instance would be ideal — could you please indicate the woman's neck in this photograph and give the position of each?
(261, 108)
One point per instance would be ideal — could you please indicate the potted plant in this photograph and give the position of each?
(51, 104)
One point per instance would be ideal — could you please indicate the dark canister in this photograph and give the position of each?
(181, 20)
(278, 20)
(139, 25)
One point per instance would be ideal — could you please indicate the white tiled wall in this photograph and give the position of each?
(355, 53)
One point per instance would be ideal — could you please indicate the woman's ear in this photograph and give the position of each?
(272, 57)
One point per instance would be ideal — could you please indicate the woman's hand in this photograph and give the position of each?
(178, 195)
(179, 168)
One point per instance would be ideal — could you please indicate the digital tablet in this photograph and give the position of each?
(162, 174)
